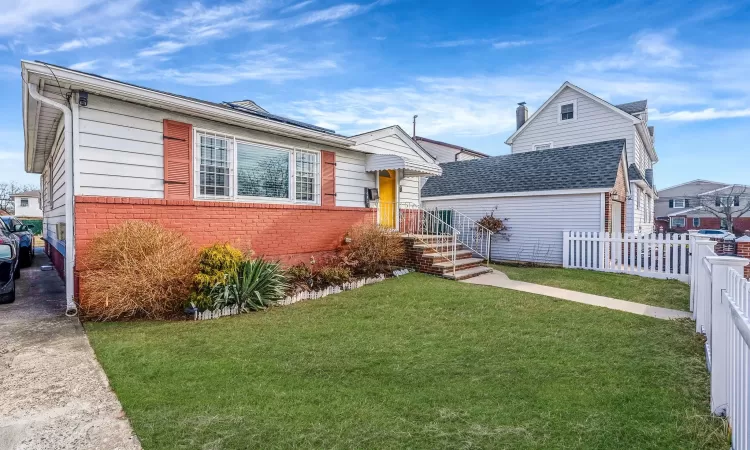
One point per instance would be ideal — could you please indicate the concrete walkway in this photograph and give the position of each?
(53, 393)
(499, 279)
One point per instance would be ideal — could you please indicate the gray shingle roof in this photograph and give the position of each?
(575, 167)
(634, 174)
(633, 107)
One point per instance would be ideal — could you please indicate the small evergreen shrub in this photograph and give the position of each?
(333, 276)
(300, 276)
(215, 264)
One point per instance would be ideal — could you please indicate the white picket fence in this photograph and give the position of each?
(720, 302)
(649, 255)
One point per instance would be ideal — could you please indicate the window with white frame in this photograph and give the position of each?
(677, 222)
(567, 111)
(679, 203)
(231, 168)
(542, 146)
(696, 222)
(214, 155)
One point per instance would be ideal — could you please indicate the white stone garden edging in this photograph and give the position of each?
(299, 296)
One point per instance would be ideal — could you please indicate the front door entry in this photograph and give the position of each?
(387, 205)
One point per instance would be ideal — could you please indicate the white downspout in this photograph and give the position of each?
(70, 306)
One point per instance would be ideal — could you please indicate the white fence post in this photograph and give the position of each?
(566, 249)
(699, 291)
(719, 329)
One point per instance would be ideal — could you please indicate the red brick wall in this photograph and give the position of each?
(290, 233)
(743, 250)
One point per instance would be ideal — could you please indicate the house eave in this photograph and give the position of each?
(520, 194)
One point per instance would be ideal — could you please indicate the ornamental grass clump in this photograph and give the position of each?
(136, 269)
(255, 285)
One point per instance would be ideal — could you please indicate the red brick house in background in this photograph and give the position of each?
(109, 151)
(677, 208)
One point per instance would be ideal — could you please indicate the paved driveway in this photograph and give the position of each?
(53, 393)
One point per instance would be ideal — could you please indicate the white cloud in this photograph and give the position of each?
(510, 44)
(650, 50)
(19, 16)
(694, 116)
(296, 6)
(75, 44)
(331, 14)
(85, 65)
(162, 48)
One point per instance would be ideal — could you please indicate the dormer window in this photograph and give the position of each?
(567, 111)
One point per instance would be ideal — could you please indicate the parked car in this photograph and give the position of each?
(25, 236)
(718, 234)
(10, 269)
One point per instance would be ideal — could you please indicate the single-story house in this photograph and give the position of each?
(110, 151)
(538, 194)
(26, 205)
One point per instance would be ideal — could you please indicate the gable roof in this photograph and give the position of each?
(633, 107)
(457, 147)
(396, 130)
(694, 181)
(585, 166)
(585, 93)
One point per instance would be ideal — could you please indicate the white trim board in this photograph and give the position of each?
(519, 194)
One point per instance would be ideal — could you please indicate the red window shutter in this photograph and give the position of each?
(328, 178)
(178, 160)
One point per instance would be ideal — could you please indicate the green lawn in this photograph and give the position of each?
(650, 291)
(416, 362)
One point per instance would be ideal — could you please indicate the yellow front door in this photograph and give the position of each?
(387, 204)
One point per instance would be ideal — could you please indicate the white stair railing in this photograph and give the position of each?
(471, 234)
(423, 225)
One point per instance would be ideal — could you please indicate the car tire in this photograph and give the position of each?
(28, 257)
(10, 297)
(17, 273)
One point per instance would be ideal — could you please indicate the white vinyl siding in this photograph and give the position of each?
(536, 222)
(54, 191)
(443, 154)
(594, 123)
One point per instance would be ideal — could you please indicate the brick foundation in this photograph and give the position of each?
(56, 258)
(289, 233)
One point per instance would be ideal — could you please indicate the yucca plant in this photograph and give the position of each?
(255, 285)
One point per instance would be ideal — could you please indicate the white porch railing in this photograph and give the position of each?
(646, 255)
(471, 234)
(720, 302)
(423, 225)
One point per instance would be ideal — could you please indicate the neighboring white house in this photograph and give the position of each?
(573, 116)
(444, 152)
(26, 204)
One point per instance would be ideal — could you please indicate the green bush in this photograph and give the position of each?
(256, 284)
(300, 276)
(333, 275)
(216, 264)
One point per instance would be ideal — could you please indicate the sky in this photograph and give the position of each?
(461, 66)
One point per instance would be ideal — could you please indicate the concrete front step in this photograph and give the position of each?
(459, 263)
(438, 245)
(467, 273)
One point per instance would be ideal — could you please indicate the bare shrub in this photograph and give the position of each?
(374, 249)
(136, 269)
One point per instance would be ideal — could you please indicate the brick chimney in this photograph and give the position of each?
(522, 114)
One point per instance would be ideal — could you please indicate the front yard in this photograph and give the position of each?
(665, 293)
(416, 362)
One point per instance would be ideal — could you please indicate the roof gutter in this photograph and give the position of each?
(70, 308)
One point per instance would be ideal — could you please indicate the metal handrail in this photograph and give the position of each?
(425, 226)
(478, 238)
